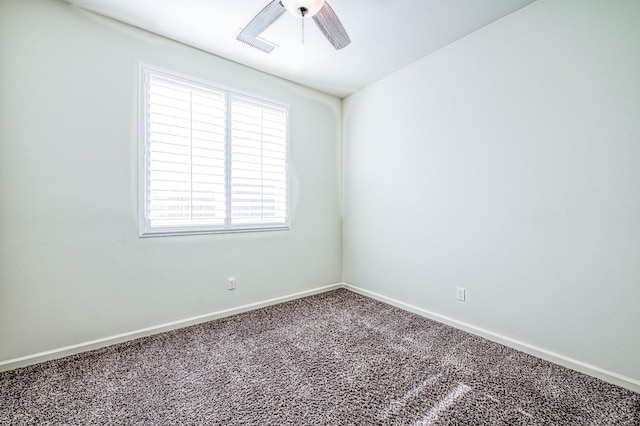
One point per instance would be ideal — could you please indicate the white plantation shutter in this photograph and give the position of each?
(212, 160)
(186, 154)
(258, 162)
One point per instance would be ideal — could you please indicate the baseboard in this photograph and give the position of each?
(574, 364)
(592, 370)
(108, 341)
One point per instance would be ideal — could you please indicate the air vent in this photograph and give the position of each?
(257, 42)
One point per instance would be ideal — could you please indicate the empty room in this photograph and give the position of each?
(414, 212)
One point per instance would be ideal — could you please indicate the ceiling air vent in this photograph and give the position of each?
(257, 42)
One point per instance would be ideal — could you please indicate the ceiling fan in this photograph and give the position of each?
(322, 14)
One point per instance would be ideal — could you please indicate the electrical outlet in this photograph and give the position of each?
(232, 283)
(461, 294)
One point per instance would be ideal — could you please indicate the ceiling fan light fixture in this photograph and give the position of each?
(297, 7)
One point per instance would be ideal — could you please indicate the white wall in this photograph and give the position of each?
(72, 268)
(509, 163)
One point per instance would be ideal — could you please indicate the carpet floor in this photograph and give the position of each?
(336, 358)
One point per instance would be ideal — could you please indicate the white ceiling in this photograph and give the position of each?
(386, 35)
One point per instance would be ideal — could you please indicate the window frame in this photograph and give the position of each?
(144, 228)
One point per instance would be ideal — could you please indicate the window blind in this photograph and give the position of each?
(259, 162)
(215, 160)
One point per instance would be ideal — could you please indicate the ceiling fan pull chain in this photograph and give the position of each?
(303, 12)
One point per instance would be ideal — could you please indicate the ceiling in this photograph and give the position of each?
(386, 35)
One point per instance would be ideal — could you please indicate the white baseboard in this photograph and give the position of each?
(107, 341)
(574, 364)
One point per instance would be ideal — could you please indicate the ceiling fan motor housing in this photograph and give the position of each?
(303, 8)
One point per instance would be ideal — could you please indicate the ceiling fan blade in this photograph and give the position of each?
(264, 19)
(330, 25)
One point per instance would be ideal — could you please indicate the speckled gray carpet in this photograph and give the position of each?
(336, 358)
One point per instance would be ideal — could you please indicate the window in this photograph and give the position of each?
(211, 160)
